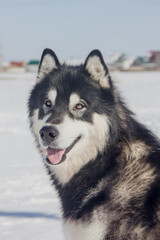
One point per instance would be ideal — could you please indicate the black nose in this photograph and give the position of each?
(48, 134)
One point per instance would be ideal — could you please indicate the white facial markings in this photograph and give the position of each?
(52, 96)
(97, 71)
(74, 99)
(94, 137)
(37, 124)
(69, 130)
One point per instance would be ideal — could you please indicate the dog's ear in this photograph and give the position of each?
(97, 69)
(48, 63)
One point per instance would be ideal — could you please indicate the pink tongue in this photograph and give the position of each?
(55, 155)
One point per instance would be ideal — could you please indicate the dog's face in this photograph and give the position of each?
(67, 109)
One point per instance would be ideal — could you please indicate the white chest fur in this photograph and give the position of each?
(76, 230)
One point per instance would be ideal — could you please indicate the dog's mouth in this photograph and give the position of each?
(56, 156)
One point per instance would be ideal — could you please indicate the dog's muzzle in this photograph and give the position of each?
(54, 155)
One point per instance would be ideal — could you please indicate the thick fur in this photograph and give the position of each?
(109, 181)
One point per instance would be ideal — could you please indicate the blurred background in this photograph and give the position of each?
(125, 31)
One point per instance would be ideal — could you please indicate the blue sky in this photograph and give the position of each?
(72, 28)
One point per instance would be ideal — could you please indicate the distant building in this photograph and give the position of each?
(154, 57)
(157, 60)
(16, 66)
(137, 64)
(150, 62)
(115, 61)
(32, 66)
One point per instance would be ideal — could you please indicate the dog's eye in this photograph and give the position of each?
(48, 103)
(79, 106)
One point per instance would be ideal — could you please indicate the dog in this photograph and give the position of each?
(104, 164)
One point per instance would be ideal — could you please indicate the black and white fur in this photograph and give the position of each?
(108, 178)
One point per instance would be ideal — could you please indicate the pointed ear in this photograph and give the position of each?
(97, 69)
(48, 63)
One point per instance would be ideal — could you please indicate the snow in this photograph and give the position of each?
(29, 207)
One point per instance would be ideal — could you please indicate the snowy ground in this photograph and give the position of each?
(29, 208)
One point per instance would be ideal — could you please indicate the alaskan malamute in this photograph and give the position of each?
(104, 164)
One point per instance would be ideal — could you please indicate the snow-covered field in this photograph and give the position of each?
(29, 207)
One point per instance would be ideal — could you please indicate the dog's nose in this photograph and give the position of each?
(48, 134)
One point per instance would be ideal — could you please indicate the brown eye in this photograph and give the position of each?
(48, 103)
(79, 106)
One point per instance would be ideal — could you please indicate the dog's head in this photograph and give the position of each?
(70, 109)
